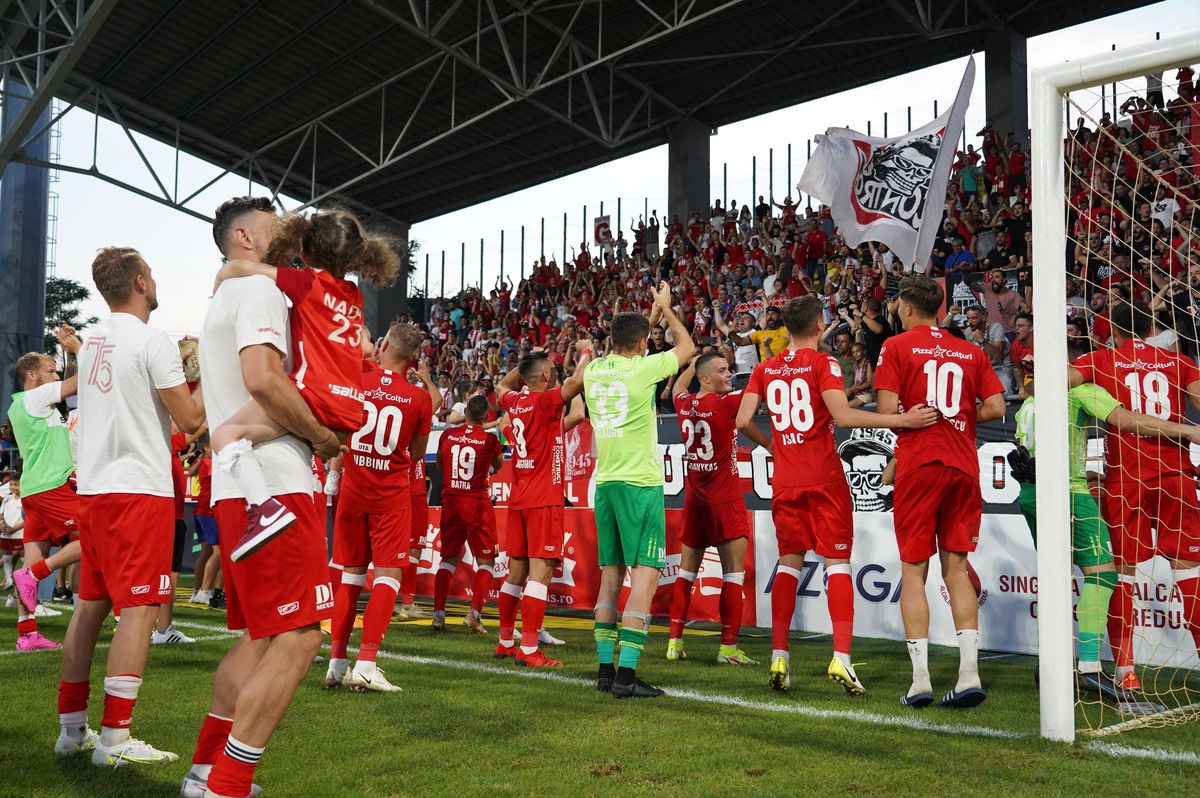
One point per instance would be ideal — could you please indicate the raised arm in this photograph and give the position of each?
(435, 396)
(243, 268)
(684, 379)
(509, 382)
(685, 347)
(745, 421)
(573, 386)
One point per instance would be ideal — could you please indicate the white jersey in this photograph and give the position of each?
(248, 311)
(124, 428)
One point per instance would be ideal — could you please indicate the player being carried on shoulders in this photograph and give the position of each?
(810, 502)
(714, 512)
(467, 453)
(937, 506)
(535, 532)
(1149, 497)
(1091, 549)
(326, 321)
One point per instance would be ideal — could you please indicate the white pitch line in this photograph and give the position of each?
(1159, 754)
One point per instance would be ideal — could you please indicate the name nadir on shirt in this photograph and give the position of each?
(338, 305)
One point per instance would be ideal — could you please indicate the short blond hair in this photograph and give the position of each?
(114, 270)
(30, 361)
(405, 339)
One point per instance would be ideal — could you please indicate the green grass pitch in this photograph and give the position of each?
(468, 725)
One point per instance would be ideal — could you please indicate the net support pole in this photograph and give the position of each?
(1055, 625)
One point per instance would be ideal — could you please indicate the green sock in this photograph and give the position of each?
(632, 642)
(1092, 611)
(606, 641)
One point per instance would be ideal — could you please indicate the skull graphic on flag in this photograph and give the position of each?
(893, 180)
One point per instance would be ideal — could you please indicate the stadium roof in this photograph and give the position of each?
(413, 108)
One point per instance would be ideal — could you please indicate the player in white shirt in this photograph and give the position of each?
(131, 386)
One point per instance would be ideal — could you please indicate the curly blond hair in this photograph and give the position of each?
(335, 241)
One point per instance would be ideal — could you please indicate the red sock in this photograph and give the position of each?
(408, 582)
(481, 588)
(839, 590)
(533, 611)
(510, 599)
(40, 570)
(378, 616)
(681, 599)
(1120, 623)
(1189, 591)
(783, 604)
(211, 742)
(26, 626)
(233, 772)
(731, 607)
(441, 586)
(73, 696)
(120, 696)
(345, 607)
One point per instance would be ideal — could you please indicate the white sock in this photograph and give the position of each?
(74, 724)
(968, 659)
(918, 652)
(779, 652)
(338, 666)
(1122, 670)
(368, 668)
(110, 737)
(8, 560)
(201, 771)
(1088, 667)
(239, 461)
(845, 658)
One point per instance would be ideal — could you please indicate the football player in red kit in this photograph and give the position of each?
(373, 519)
(937, 502)
(466, 455)
(326, 323)
(1149, 482)
(810, 501)
(714, 513)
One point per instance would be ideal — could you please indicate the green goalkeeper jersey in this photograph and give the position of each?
(1083, 403)
(620, 394)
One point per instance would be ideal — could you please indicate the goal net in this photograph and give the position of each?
(1116, 142)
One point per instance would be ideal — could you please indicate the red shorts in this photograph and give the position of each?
(339, 413)
(53, 515)
(936, 507)
(285, 585)
(707, 525)
(361, 538)
(12, 545)
(125, 545)
(1134, 509)
(818, 518)
(535, 532)
(468, 520)
(420, 516)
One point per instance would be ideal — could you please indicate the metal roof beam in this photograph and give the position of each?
(170, 74)
(147, 34)
(53, 79)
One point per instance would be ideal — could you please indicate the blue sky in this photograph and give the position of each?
(179, 248)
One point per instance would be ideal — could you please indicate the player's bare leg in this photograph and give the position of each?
(508, 604)
(79, 645)
(233, 450)
(964, 606)
(533, 612)
(839, 593)
(366, 675)
(635, 625)
(681, 598)
(914, 609)
(263, 687)
(480, 588)
(123, 680)
(39, 564)
(345, 608)
(733, 577)
(783, 606)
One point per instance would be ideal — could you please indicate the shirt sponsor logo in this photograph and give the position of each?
(940, 352)
(270, 330)
(289, 608)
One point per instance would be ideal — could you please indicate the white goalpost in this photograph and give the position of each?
(1049, 88)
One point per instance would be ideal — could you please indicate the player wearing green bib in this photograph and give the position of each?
(630, 521)
(51, 513)
(1090, 544)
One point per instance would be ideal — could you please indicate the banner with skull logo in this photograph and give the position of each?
(889, 190)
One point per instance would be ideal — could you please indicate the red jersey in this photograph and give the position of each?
(204, 497)
(466, 453)
(708, 424)
(1145, 379)
(327, 323)
(538, 454)
(378, 470)
(791, 383)
(929, 366)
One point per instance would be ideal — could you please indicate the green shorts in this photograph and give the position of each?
(1090, 544)
(631, 526)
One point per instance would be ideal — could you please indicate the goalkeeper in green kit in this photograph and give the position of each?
(1090, 544)
(620, 391)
